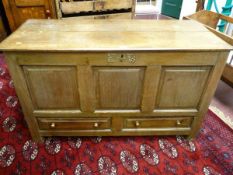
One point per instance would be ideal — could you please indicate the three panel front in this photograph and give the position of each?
(115, 88)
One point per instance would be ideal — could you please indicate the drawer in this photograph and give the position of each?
(113, 4)
(76, 7)
(127, 15)
(74, 123)
(100, 5)
(152, 122)
(114, 16)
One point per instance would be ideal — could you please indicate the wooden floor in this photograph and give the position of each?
(224, 93)
(222, 103)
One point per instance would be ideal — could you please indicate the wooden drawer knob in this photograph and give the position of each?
(137, 123)
(178, 122)
(96, 125)
(48, 14)
(52, 125)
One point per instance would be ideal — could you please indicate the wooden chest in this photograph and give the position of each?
(114, 78)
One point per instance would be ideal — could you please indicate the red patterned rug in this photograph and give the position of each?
(211, 153)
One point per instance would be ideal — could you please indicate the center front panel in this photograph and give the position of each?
(118, 87)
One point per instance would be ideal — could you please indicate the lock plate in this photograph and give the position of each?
(117, 57)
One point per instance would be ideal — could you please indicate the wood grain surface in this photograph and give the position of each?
(102, 35)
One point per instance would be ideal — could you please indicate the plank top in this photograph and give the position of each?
(112, 35)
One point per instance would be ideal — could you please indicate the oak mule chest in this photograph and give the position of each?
(114, 77)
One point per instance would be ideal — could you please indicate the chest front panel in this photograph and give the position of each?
(145, 85)
(120, 93)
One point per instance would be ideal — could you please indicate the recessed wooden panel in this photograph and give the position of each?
(18, 11)
(119, 87)
(31, 12)
(52, 86)
(181, 87)
(26, 3)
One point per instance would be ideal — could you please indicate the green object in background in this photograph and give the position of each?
(172, 8)
(226, 10)
(209, 5)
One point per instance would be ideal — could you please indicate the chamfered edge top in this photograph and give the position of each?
(113, 35)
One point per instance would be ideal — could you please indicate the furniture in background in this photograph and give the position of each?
(95, 9)
(200, 5)
(168, 8)
(128, 77)
(3, 32)
(211, 20)
(226, 10)
(4, 26)
(18, 11)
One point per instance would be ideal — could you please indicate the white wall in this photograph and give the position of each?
(188, 8)
(220, 4)
(159, 5)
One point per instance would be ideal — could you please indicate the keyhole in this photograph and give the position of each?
(122, 57)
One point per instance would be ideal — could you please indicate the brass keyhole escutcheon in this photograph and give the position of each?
(121, 58)
(116, 57)
(178, 122)
(137, 123)
(96, 125)
(52, 125)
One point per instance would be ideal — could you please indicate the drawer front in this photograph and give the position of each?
(114, 16)
(106, 16)
(152, 122)
(113, 4)
(76, 7)
(74, 123)
(100, 5)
